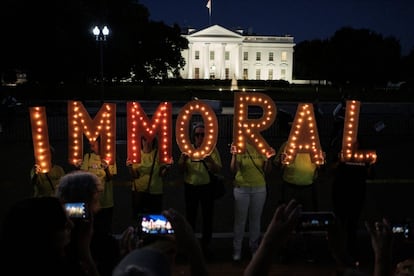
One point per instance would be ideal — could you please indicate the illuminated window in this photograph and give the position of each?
(283, 74)
(197, 55)
(257, 74)
(211, 55)
(227, 72)
(197, 73)
(245, 55)
(227, 55)
(213, 72)
(258, 56)
(245, 74)
(284, 56)
(271, 56)
(270, 74)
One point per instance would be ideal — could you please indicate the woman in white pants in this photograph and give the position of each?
(249, 195)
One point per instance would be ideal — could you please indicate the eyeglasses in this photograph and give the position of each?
(200, 134)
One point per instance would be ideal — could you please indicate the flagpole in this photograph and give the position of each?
(209, 11)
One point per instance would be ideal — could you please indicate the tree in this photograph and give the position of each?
(363, 57)
(311, 60)
(52, 41)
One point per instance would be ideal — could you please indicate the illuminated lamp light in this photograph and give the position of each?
(246, 129)
(350, 152)
(40, 138)
(104, 125)
(139, 125)
(182, 127)
(304, 136)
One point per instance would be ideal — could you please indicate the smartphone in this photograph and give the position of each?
(154, 224)
(401, 230)
(77, 210)
(315, 221)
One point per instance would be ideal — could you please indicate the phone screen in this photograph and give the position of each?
(401, 229)
(154, 224)
(76, 210)
(315, 221)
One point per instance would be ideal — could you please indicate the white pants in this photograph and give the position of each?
(250, 201)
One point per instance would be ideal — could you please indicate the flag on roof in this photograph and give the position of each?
(209, 6)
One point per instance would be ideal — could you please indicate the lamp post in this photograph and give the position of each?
(100, 36)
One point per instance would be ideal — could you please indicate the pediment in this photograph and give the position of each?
(215, 31)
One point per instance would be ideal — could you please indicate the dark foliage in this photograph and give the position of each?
(53, 42)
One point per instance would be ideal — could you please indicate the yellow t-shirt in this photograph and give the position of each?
(301, 171)
(92, 163)
(144, 169)
(250, 173)
(42, 186)
(196, 173)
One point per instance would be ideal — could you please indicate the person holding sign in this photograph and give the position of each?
(147, 182)
(92, 162)
(249, 192)
(300, 158)
(197, 187)
(298, 179)
(45, 184)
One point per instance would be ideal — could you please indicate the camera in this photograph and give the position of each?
(77, 210)
(154, 224)
(401, 230)
(315, 221)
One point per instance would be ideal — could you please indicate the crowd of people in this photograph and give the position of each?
(62, 245)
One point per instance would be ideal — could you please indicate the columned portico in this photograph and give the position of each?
(214, 49)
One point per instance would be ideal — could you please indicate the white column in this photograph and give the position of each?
(190, 61)
(206, 60)
(223, 62)
(238, 68)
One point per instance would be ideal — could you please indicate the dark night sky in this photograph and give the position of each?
(303, 19)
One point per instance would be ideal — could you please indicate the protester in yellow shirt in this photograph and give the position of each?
(298, 179)
(45, 184)
(197, 187)
(249, 192)
(93, 162)
(147, 182)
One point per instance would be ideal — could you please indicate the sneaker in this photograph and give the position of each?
(236, 256)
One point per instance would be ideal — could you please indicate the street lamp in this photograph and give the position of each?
(100, 36)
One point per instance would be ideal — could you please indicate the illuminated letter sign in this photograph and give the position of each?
(249, 129)
(182, 128)
(350, 152)
(40, 137)
(304, 137)
(139, 125)
(104, 125)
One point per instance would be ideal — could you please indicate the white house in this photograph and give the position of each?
(219, 53)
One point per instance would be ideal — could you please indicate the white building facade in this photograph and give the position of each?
(218, 53)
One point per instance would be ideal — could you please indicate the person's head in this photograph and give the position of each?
(94, 146)
(147, 144)
(144, 261)
(198, 134)
(80, 186)
(36, 226)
